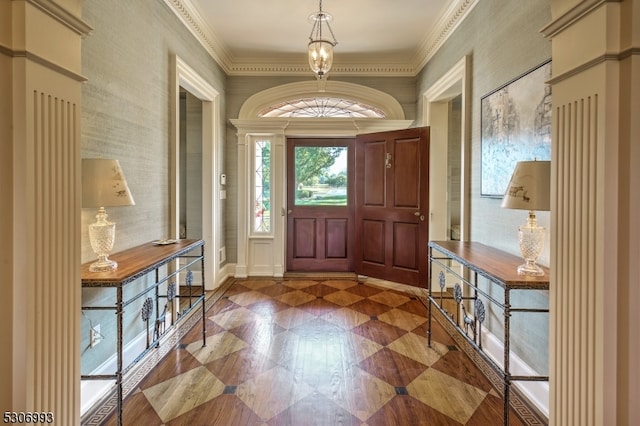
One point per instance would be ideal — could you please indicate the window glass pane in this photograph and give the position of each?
(322, 107)
(321, 176)
(262, 189)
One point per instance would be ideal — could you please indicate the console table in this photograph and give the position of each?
(465, 262)
(133, 264)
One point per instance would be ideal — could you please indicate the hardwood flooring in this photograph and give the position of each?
(325, 351)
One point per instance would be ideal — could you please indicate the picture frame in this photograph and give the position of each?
(515, 126)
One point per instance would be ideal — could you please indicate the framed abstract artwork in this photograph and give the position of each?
(516, 126)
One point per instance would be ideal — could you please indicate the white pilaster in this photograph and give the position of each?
(40, 254)
(595, 284)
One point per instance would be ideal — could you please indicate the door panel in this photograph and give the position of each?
(405, 245)
(320, 231)
(407, 164)
(336, 243)
(374, 186)
(374, 249)
(392, 202)
(304, 236)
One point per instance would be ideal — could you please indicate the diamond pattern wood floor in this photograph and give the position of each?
(315, 352)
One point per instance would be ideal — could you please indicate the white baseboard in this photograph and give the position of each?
(240, 271)
(536, 392)
(92, 391)
(227, 271)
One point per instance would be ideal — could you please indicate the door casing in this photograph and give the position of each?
(250, 249)
(184, 76)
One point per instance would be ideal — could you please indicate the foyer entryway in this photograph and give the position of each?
(315, 351)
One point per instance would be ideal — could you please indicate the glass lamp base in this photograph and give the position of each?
(531, 239)
(103, 265)
(530, 268)
(102, 234)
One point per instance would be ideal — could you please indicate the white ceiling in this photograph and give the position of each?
(375, 37)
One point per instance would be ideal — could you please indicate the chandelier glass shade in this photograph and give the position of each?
(320, 49)
(320, 57)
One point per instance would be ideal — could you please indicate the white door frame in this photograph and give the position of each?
(184, 76)
(266, 255)
(436, 115)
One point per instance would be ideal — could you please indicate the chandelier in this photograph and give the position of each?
(320, 48)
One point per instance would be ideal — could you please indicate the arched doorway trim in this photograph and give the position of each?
(264, 255)
(330, 89)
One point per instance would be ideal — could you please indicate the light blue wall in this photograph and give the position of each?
(126, 105)
(503, 40)
(127, 61)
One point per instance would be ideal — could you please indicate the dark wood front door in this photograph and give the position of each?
(392, 205)
(320, 229)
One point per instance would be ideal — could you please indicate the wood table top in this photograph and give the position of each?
(136, 261)
(491, 262)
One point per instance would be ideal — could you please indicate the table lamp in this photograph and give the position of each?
(529, 189)
(103, 185)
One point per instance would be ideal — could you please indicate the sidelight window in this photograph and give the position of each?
(262, 186)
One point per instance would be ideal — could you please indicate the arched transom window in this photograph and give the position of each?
(322, 107)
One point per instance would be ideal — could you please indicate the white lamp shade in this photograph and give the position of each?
(103, 184)
(529, 187)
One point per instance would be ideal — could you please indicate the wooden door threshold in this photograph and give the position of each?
(346, 275)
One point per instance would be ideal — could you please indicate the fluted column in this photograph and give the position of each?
(40, 252)
(595, 285)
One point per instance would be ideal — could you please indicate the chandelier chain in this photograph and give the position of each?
(316, 30)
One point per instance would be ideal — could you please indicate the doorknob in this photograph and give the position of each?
(289, 211)
(421, 216)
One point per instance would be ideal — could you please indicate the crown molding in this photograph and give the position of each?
(195, 23)
(375, 67)
(284, 66)
(450, 19)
